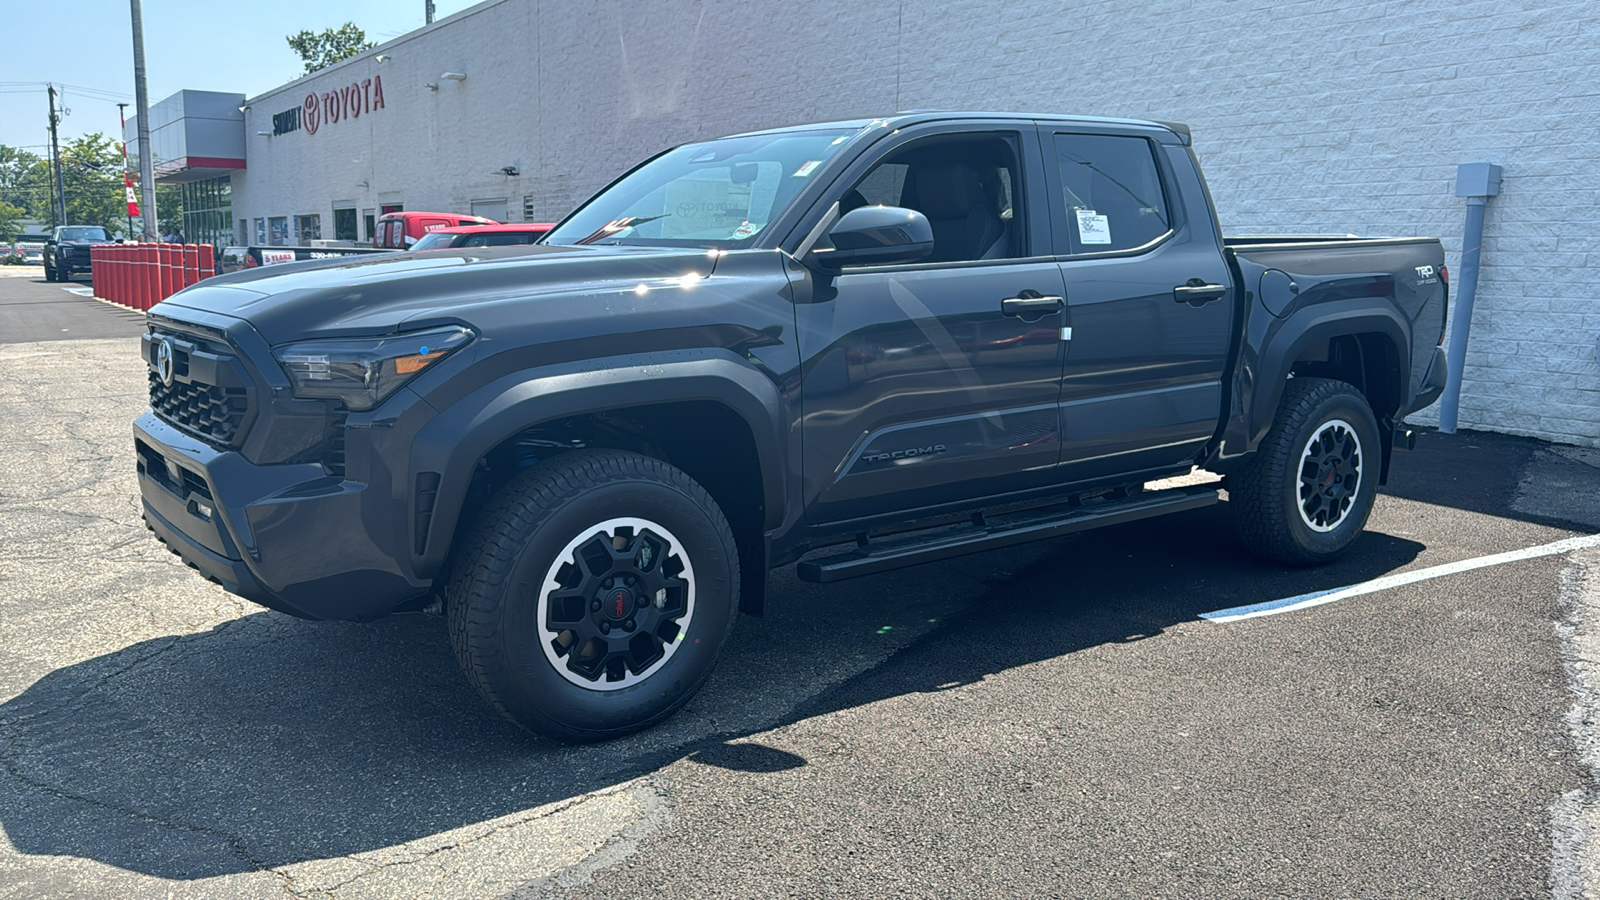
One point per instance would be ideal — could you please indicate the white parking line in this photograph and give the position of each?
(1303, 601)
(80, 291)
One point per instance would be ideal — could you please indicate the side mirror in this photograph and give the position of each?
(119, 240)
(876, 235)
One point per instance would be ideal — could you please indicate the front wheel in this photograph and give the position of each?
(594, 595)
(1306, 495)
(49, 274)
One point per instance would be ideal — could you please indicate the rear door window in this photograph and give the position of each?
(1111, 193)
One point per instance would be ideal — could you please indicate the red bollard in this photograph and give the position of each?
(119, 277)
(130, 268)
(208, 266)
(163, 272)
(102, 282)
(191, 264)
(163, 267)
(179, 281)
(124, 276)
(147, 275)
(94, 269)
(135, 276)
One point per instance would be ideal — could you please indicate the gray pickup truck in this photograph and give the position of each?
(905, 339)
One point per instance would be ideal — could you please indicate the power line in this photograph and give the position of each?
(77, 87)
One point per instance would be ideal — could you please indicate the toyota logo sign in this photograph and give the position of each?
(164, 361)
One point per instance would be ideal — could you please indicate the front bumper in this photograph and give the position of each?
(289, 537)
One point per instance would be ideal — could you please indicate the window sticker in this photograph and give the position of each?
(744, 230)
(1093, 228)
(807, 169)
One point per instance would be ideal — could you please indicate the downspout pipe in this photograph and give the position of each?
(1477, 182)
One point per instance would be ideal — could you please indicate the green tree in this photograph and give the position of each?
(25, 182)
(169, 210)
(322, 50)
(9, 226)
(91, 174)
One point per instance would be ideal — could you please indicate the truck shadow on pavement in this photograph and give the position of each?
(269, 741)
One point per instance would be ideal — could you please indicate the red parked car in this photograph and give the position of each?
(483, 236)
(399, 230)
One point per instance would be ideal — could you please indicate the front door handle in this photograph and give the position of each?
(1197, 293)
(1030, 305)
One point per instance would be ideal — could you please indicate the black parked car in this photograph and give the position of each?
(67, 250)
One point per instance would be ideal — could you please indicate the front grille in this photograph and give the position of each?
(333, 452)
(209, 393)
(206, 409)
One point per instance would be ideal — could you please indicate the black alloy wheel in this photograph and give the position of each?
(593, 595)
(1330, 475)
(615, 603)
(1305, 495)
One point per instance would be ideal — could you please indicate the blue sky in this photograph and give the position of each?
(86, 48)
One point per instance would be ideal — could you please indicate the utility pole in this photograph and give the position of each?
(427, 8)
(58, 203)
(147, 175)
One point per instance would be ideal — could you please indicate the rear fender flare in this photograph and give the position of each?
(1307, 327)
(453, 442)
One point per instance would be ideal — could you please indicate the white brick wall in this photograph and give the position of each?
(1309, 116)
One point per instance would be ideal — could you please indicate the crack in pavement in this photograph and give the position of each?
(1575, 817)
(646, 822)
(234, 843)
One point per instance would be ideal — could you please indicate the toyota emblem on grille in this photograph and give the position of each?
(164, 361)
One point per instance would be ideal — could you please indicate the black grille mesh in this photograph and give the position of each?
(205, 409)
(333, 455)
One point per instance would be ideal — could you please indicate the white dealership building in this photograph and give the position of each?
(1307, 117)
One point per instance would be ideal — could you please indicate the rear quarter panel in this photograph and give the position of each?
(1300, 291)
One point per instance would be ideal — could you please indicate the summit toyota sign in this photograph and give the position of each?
(330, 107)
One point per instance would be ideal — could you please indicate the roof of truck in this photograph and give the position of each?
(918, 116)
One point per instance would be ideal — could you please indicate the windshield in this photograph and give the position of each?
(719, 194)
(434, 240)
(83, 233)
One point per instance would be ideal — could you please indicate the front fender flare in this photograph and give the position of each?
(463, 433)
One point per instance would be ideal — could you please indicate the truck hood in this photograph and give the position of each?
(380, 294)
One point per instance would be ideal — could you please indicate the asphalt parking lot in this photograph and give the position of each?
(1052, 720)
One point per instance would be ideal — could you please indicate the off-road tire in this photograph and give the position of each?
(1266, 495)
(497, 603)
(49, 274)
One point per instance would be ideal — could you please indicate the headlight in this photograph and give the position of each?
(363, 372)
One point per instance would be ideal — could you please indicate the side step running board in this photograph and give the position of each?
(1034, 525)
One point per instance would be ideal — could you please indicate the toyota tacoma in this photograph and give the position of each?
(898, 340)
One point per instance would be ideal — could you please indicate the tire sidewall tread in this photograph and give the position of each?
(513, 540)
(1265, 492)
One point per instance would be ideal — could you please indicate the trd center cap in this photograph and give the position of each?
(617, 604)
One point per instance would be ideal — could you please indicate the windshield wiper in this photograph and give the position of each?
(616, 226)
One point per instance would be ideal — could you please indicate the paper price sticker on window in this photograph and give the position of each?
(807, 169)
(1093, 228)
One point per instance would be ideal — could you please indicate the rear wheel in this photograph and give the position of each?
(1306, 495)
(594, 595)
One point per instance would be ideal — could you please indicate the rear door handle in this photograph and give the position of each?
(1031, 305)
(1197, 293)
